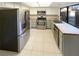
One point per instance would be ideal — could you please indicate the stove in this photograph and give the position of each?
(41, 22)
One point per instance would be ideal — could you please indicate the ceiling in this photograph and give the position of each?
(49, 4)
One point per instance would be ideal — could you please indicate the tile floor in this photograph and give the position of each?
(40, 43)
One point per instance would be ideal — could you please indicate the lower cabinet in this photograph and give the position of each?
(56, 35)
(60, 40)
(33, 23)
(70, 45)
(67, 43)
(49, 24)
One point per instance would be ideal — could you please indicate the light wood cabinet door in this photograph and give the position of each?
(49, 23)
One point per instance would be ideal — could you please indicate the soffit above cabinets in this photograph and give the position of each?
(49, 4)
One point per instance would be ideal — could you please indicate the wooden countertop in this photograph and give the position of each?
(67, 28)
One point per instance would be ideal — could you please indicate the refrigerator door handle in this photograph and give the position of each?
(21, 33)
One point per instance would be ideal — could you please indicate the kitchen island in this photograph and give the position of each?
(67, 38)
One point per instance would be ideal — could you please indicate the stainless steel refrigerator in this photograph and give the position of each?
(13, 30)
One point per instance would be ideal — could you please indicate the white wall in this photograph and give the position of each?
(13, 5)
(49, 11)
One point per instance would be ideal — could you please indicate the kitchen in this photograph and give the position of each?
(39, 28)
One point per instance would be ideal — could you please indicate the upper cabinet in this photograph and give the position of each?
(41, 12)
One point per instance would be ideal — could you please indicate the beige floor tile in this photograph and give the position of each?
(39, 40)
(28, 45)
(37, 53)
(38, 47)
(25, 53)
(52, 54)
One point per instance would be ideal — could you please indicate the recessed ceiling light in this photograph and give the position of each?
(45, 4)
(32, 4)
